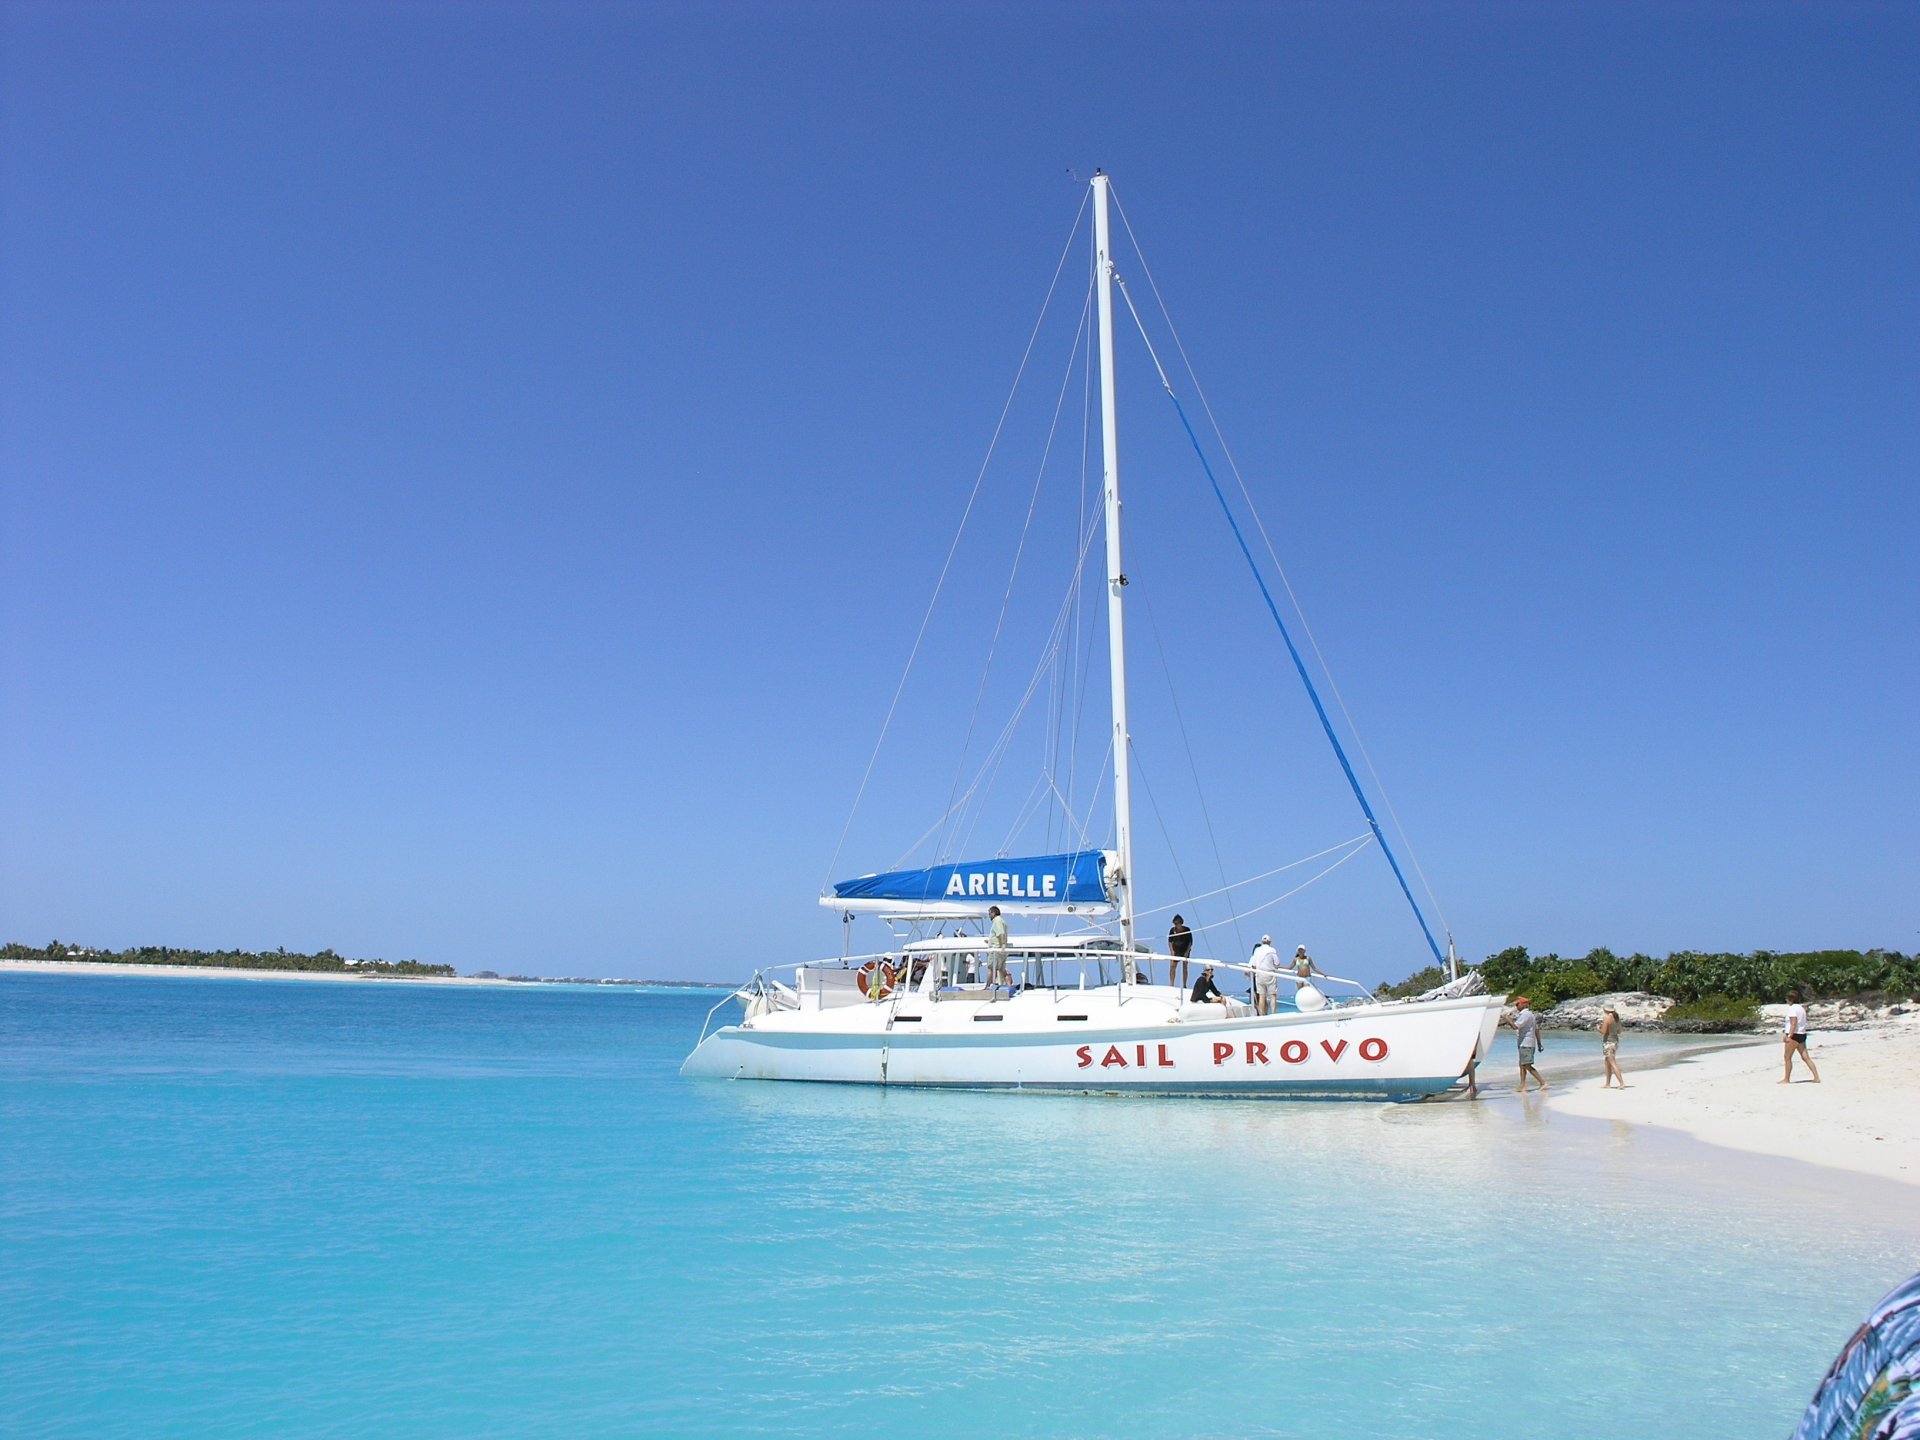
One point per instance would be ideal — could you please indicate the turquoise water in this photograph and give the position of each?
(300, 1209)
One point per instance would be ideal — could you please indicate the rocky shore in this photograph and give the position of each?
(1640, 1010)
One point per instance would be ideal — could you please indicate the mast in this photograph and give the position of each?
(1116, 577)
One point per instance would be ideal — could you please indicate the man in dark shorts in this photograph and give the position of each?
(1180, 946)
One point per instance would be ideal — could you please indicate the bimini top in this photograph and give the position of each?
(1070, 884)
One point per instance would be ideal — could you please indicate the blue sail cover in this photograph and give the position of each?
(1072, 881)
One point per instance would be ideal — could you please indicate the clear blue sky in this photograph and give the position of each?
(470, 475)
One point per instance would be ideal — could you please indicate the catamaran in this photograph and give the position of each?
(1087, 1006)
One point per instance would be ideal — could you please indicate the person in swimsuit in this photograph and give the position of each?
(1793, 1034)
(1610, 1046)
(1180, 946)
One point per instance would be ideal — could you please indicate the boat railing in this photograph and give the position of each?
(1318, 979)
(1030, 966)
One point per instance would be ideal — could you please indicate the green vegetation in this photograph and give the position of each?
(1417, 983)
(1689, 976)
(1717, 1010)
(280, 959)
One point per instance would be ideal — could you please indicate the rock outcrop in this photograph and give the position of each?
(1636, 1007)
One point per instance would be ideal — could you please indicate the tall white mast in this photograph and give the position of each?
(1116, 577)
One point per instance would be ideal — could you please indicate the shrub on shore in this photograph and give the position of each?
(1715, 1010)
(1763, 976)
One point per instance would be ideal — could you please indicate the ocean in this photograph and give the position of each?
(318, 1209)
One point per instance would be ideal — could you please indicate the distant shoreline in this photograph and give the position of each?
(350, 977)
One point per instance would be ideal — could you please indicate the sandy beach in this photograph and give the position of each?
(1860, 1117)
(219, 972)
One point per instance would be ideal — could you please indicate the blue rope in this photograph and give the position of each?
(1305, 678)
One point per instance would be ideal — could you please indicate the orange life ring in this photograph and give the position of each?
(875, 979)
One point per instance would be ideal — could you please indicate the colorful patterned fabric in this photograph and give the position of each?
(1873, 1390)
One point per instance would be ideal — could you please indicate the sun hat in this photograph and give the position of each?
(1299, 949)
(1521, 1000)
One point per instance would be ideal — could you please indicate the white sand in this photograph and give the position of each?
(1861, 1117)
(221, 972)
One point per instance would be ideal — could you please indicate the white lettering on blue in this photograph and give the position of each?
(1003, 882)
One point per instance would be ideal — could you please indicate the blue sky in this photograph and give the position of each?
(470, 477)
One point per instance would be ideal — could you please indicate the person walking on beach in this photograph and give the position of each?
(1266, 976)
(997, 973)
(1793, 1033)
(1180, 946)
(1526, 1034)
(1610, 1046)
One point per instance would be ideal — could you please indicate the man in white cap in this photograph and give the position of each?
(1266, 976)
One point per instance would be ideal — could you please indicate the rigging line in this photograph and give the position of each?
(1020, 550)
(997, 752)
(1093, 515)
(1154, 800)
(1273, 555)
(953, 549)
(1315, 880)
(1037, 795)
(1360, 839)
(1077, 664)
(1353, 781)
(1193, 768)
(955, 806)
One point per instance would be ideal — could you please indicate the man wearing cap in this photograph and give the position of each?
(1526, 1034)
(1266, 976)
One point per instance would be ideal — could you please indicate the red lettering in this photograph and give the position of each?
(1294, 1052)
(1334, 1049)
(1221, 1050)
(1113, 1057)
(1166, 1060)
(1256, 1052)
(1140, 1056)
(1373, 1048)
(1085, 1054)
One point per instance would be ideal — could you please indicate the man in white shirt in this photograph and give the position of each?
(1793, 1033)
(997, 972)
(1266, 976)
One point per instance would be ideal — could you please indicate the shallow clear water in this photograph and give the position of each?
(297, 1209)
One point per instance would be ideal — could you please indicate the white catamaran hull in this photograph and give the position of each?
(1051, 1040)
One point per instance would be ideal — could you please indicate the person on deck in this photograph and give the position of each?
(1526, 1034)
(1303, 966)
(1180, 946)
(1793, 1031)
(997, 972)
(1205, 992)
(1266, 976)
